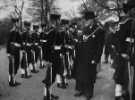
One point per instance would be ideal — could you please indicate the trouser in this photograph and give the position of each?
(121, 77)
(47, 53)
(53, 70)
(44, 47)
(37, 52)
(106, 52)
(109, 50)
(29, 55)
(50, 75)
(58, 62)
(24, 61)
(14, 63)
(68, 62)
(133, 97)
(121, 74)
(40, 56)
(31, 59)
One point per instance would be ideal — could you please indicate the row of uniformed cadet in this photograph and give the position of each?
(24, 51)
(53, 46)
(59, 55)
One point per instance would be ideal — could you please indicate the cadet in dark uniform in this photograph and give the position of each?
(68, 49)
(60, 43)
(13, 49)
(53, 58)
(26, 51)
(124, 39)
(43, 44)
(35, 38)
(121, 75)
(88, 56)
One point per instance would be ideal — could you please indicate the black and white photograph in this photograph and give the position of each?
(67, 49)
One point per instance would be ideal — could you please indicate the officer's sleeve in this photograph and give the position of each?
(100, 44)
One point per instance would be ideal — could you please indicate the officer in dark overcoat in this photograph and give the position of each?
(88, 56)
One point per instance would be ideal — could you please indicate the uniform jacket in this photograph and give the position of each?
(14, 37)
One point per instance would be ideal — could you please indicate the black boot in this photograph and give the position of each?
(26, 75)
(119, 98)
(12, 82)
(62, 85)
(49, 96)
(41, 65)
(78, 94)
(88, 97)
(54, 97)
(34, 69)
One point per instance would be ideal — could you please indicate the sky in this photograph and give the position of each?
(6, 10)
(68, 8)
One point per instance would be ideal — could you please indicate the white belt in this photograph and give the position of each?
(93, 62)
(68, 46)
(43, 40)
(15, 44)
(130, 40)
(76, 40)
(28, 44)
(23, 43)
(124, 55)
(57, 47)
(35, 43)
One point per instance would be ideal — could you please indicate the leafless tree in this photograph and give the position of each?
(40, 9)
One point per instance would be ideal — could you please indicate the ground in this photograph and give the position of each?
(32, 89)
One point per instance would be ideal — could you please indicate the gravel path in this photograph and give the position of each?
(31, 89)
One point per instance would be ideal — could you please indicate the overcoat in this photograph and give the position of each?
(86, 53)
